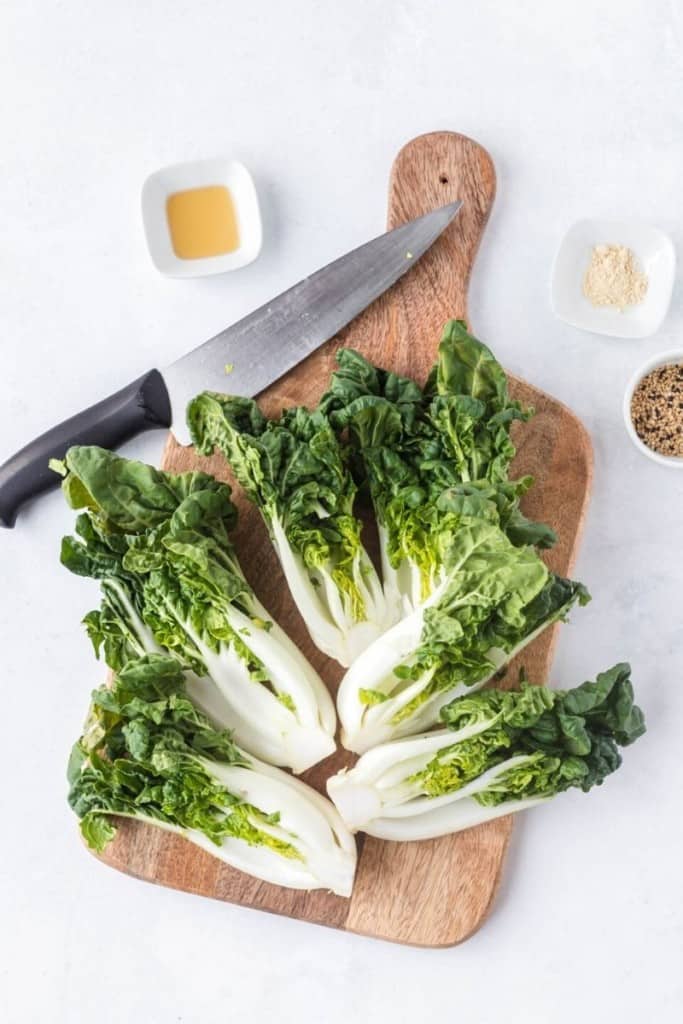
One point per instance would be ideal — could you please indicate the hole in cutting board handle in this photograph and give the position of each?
(443, 178)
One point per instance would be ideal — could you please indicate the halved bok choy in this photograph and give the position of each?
(501, 752)
(494, 600)
(171, 582)
(147, 753)
(430, 455)
(295, 472)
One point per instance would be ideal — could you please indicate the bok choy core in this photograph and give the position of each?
(493, 599)
(294, 470)
(147, 753)
(500, 752)
(171, 582)
(431, 455)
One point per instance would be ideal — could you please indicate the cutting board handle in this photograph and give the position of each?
(429, 171)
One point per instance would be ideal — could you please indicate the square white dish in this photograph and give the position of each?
(655, 255)
(200, 174)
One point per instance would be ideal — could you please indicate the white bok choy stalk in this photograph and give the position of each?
(147, 753)
(501, 752)
(171, 582)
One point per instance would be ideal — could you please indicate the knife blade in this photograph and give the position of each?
(258, 350)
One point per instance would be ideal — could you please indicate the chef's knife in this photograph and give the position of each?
(256, 351)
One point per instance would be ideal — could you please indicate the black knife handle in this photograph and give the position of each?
(140, 406)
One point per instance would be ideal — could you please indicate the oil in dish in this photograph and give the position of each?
(202, 222)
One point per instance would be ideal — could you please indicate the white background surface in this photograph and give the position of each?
(580, 106)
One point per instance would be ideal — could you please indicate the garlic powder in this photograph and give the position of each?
(613, 277)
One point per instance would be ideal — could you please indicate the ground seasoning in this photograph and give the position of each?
(657, 409)
(613, 278)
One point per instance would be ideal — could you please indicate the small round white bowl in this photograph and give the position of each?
(657, 257)
(199, 174)
(663, 359)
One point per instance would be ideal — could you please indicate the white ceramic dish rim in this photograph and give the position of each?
(662, 359)
(197, 174)
(604, 225)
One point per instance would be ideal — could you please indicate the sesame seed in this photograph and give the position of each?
(657, 412)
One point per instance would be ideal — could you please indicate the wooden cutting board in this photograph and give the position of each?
(433, 893)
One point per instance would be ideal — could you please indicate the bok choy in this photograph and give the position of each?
(431, 455)
(294, 470)
(493, 600)
(500, 752)
(171, 582)
(147, 753)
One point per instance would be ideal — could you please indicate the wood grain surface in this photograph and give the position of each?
(433, 893)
